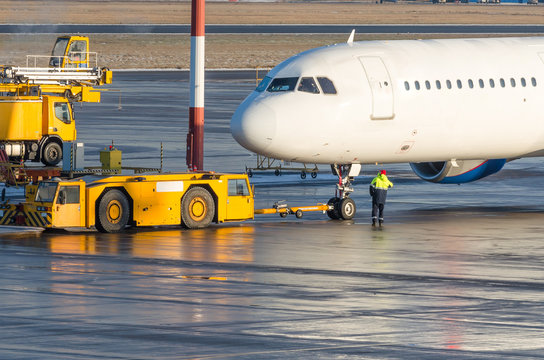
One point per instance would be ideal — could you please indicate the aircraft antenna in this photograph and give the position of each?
(351, 36)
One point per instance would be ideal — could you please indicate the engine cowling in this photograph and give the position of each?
(458, 171)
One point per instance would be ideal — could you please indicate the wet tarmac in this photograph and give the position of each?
(456, 272)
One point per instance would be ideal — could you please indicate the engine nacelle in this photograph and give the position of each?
(457, 171)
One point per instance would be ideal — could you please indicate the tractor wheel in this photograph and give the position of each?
(113, 212)
(197, 208)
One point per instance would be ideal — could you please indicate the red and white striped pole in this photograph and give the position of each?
(195, 137)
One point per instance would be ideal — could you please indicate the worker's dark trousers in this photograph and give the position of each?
(377, 208)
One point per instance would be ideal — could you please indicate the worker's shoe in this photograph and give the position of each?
(381, 223)
(373, 222)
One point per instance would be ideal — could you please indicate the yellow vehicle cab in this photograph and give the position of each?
(70, 52)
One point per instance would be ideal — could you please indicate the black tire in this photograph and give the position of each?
(250, 173)
(112, 212)
(347, 209)
(299, 214)
(197, 208)
(303, 175)
(333, 214)
(314, 174)
(277, 172)
(283, 214)
(51, 154)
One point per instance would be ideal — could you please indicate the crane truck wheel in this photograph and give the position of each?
(52, 154)
(197, 208)
(113, 212)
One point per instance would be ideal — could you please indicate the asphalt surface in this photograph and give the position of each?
(456, 272)
(269, 29)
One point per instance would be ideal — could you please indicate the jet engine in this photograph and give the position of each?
(456, 171)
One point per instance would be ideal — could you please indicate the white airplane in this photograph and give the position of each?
(457, 110)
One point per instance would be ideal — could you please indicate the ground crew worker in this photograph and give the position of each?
(378, 191)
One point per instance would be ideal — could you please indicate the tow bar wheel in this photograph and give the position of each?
(113, 212)
(197, 208)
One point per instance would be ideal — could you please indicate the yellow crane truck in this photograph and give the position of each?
(36, 103)
(111, 203)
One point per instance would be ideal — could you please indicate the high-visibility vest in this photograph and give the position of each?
(381, 182)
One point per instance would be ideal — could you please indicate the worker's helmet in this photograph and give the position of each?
(383, 172)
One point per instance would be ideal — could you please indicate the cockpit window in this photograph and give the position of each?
(263, 84)
(326, 85)
(283, 84)
(307, 84)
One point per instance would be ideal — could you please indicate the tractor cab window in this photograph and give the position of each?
(68, 195)
(77, 51)
(62, 112)
(283, 84)
(58, 52)
(46, 191)
(238, 187)
(263, 84)
(326, 85)
(307, 84)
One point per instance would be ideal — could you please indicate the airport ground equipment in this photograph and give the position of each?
(36, 103)
(265, 163)
(111, 203)
(283, 209)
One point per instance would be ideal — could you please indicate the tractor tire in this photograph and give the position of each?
(197, 208)
(113, 212)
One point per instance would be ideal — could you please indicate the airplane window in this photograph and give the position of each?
(492, 83)
(459, 84)
(470, 83)
(283, 84)
(503, 84)
(448, 84)
(263, 84)
(481, 82)
(307, 84)
(427, 84)
(533, 81)
(438, 85)
(407, 85)
(326, 85)
(523, 82)
(513, 82)
(417, 85)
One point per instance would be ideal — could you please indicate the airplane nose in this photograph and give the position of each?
(254, 126)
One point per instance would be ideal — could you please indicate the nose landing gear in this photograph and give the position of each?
(343, 206)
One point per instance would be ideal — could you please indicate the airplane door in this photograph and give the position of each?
(380, 86)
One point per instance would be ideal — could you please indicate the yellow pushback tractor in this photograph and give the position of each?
(36, 103)
(111, 203)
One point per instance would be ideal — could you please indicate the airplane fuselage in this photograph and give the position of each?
(400, 101)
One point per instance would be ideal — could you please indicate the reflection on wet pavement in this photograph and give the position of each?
(458, 287)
